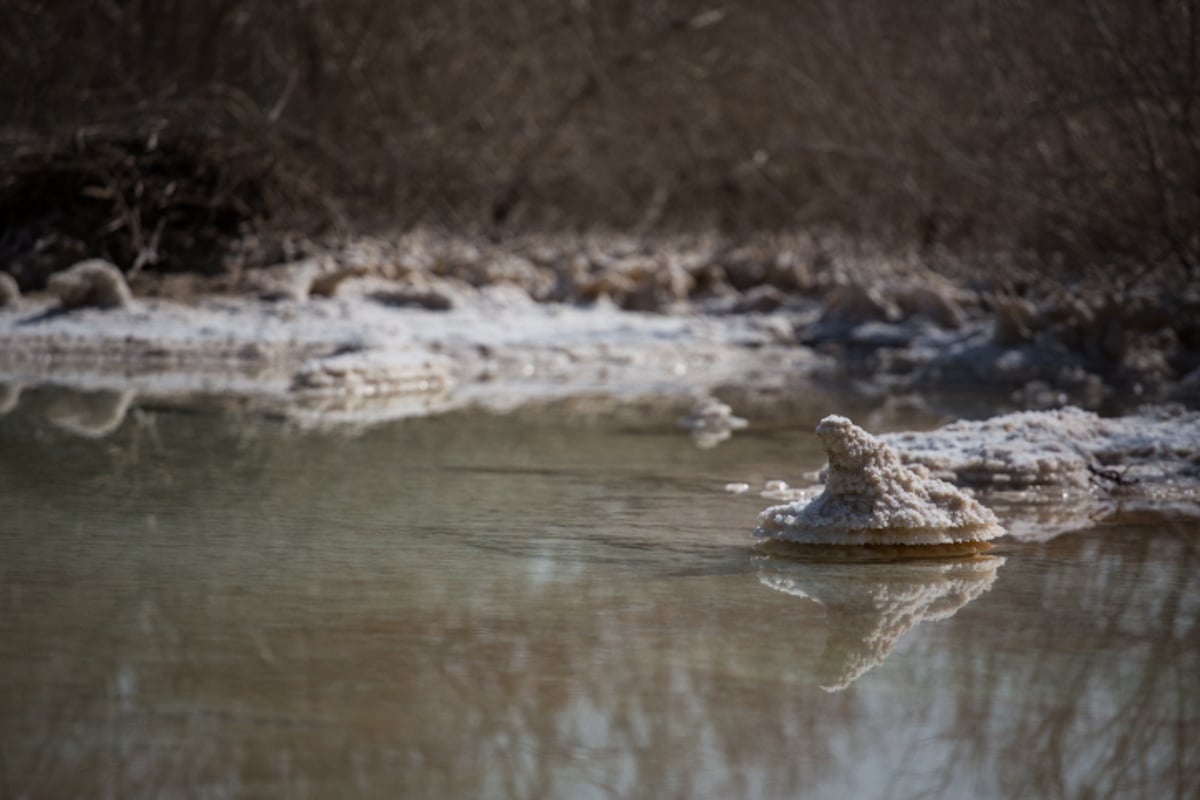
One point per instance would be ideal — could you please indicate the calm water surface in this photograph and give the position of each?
(550, 605)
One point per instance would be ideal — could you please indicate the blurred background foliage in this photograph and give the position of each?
(1065, 128)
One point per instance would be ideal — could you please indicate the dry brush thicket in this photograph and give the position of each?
(1018, 126)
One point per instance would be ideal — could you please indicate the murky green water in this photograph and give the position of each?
(550, 605)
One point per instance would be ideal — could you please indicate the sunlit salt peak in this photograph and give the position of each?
(870, 498)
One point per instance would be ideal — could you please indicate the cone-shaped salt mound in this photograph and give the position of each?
(870, 498)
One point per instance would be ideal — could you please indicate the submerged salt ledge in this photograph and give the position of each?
(871, 498)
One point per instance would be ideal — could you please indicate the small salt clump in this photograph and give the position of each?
(358, 374)
(776, 490)
(870, 498)
(711, 422)
(10, 292)
(95, 283)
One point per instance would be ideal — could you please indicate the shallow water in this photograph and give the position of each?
(551, 604)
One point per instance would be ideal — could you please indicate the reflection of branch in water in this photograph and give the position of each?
(1121, 721)
(871, 605)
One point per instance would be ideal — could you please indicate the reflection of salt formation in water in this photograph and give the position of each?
(93, 415)
(10, 396)
(870, 606)
(870, 498)
(711, 422)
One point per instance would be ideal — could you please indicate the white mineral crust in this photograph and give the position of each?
(870, 498)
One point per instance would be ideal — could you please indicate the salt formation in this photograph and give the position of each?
(870, 498)
(1055, 471)
(870, 606)
(291, 281)
(94, 283)
(367, 373)
(777, 490)
(327, 283)
(854, 301)
(364, 386)
(10, 292)
(1065, 448)
(711, 422)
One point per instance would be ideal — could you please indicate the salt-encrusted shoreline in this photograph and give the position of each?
(1046, 472)
(1043, 473)
(366, 332)
(350, 358)
(886, 323)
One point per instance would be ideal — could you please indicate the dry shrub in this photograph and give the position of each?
(1066, 129)
(142, 197)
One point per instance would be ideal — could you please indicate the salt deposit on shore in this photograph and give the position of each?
(494, 347)
(1043, 473)
(359, 332)
(1063, 469)
(889, 322)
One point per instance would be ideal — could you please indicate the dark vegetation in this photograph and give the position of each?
(156, 132)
